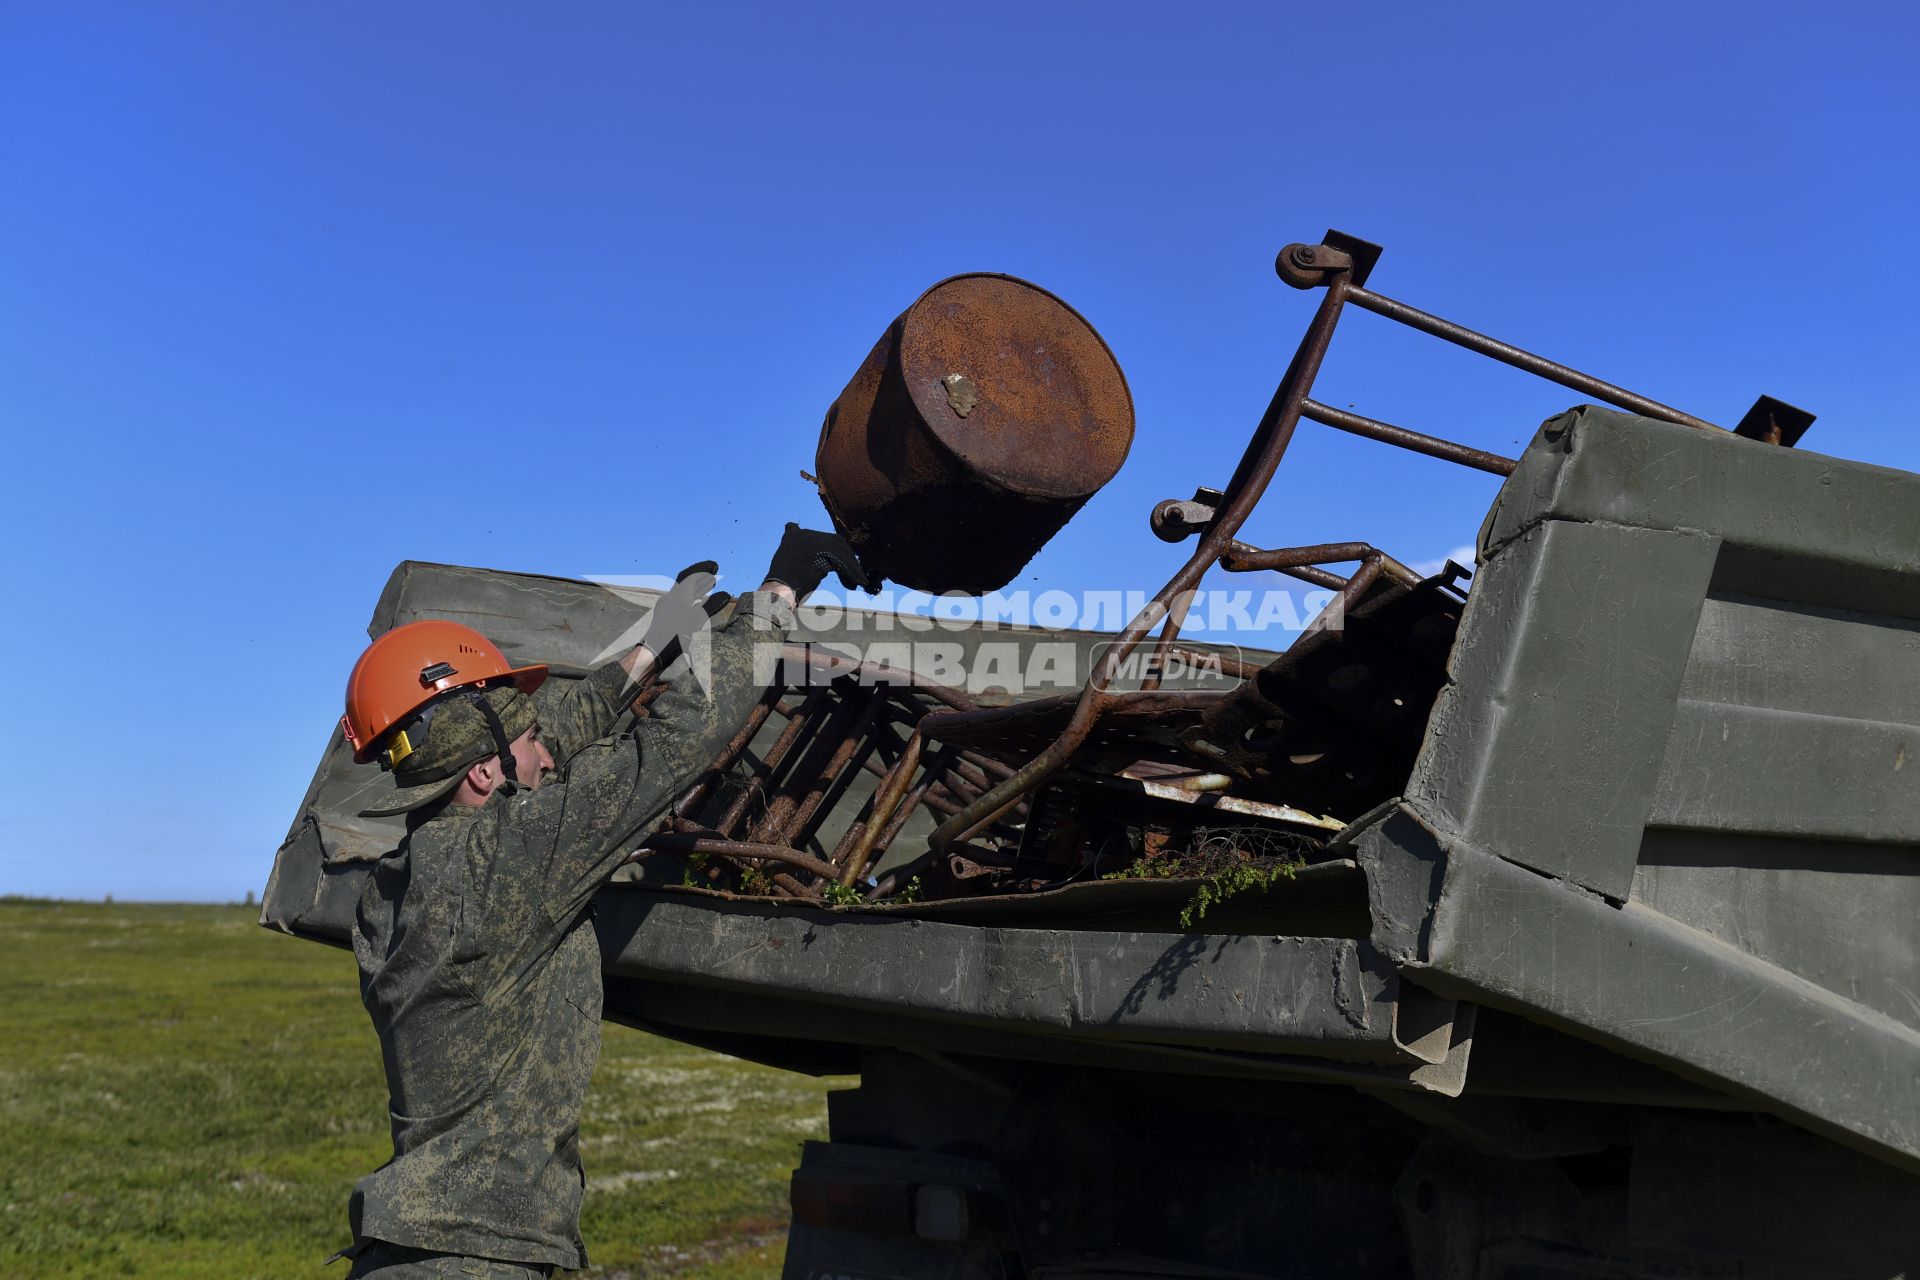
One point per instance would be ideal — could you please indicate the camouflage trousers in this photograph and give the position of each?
(383, 1261)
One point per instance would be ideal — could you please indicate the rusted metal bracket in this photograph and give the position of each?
(1176, 521)
(1307, 266)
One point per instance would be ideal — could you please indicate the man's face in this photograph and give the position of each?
(531, 760)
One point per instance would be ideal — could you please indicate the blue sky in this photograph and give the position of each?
(295, 292)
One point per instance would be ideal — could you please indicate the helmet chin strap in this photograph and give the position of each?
(499, 731)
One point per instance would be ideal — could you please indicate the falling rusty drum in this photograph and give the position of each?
(988, 413)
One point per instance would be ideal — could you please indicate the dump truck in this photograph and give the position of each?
(1552, 916)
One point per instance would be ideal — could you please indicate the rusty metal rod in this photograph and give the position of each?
(914, 798)
(1169, 632)
(887, 827)
(893, 789)
(879, 772)
(683, 826)
(837, 776)
(943, 790)
(1304, 572)
(972, 782)
(855, 744)
(1432, 446)
(798, 718)
(892, 882)
(972, 775)
(1318, 577)
(1241, 560)
(959, 788)
(781, 881)
(646, 698)
(716, 846)
(981, 760)
(897, 879)
(790, 887)
(699, 791)
(1505, 353)
(801, 781)
(940, 800)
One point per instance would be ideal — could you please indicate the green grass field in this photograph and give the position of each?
(185, 1094)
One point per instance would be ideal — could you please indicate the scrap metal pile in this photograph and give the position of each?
(991, 407)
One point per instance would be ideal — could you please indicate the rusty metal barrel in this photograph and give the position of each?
(986, 415)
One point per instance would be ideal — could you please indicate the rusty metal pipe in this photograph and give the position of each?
(879, 772)
(983, 761)
(803, 779)
(896, 880)
(1306, 573)
(893, 789)
(798, 718)
(959, 797)
(717, 846)
(902, 814)
(835, 777)
(791, 888)
(697, 794)
(1176, 619)
(1505, 353)
(959, 788)
(676, 826)
(1316, 576)
(1243, 561)
(974, 776)
(1432, 446)
(1242, 558)
(915, 797)
(646, 698)
(938, 799)
(969, 784)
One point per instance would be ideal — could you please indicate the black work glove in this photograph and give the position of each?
(805, 555)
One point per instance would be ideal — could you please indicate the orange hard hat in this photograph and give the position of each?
(412, 665)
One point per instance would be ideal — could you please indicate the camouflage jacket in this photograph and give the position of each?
(480, 967)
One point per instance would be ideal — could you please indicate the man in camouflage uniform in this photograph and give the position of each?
(477, 953)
